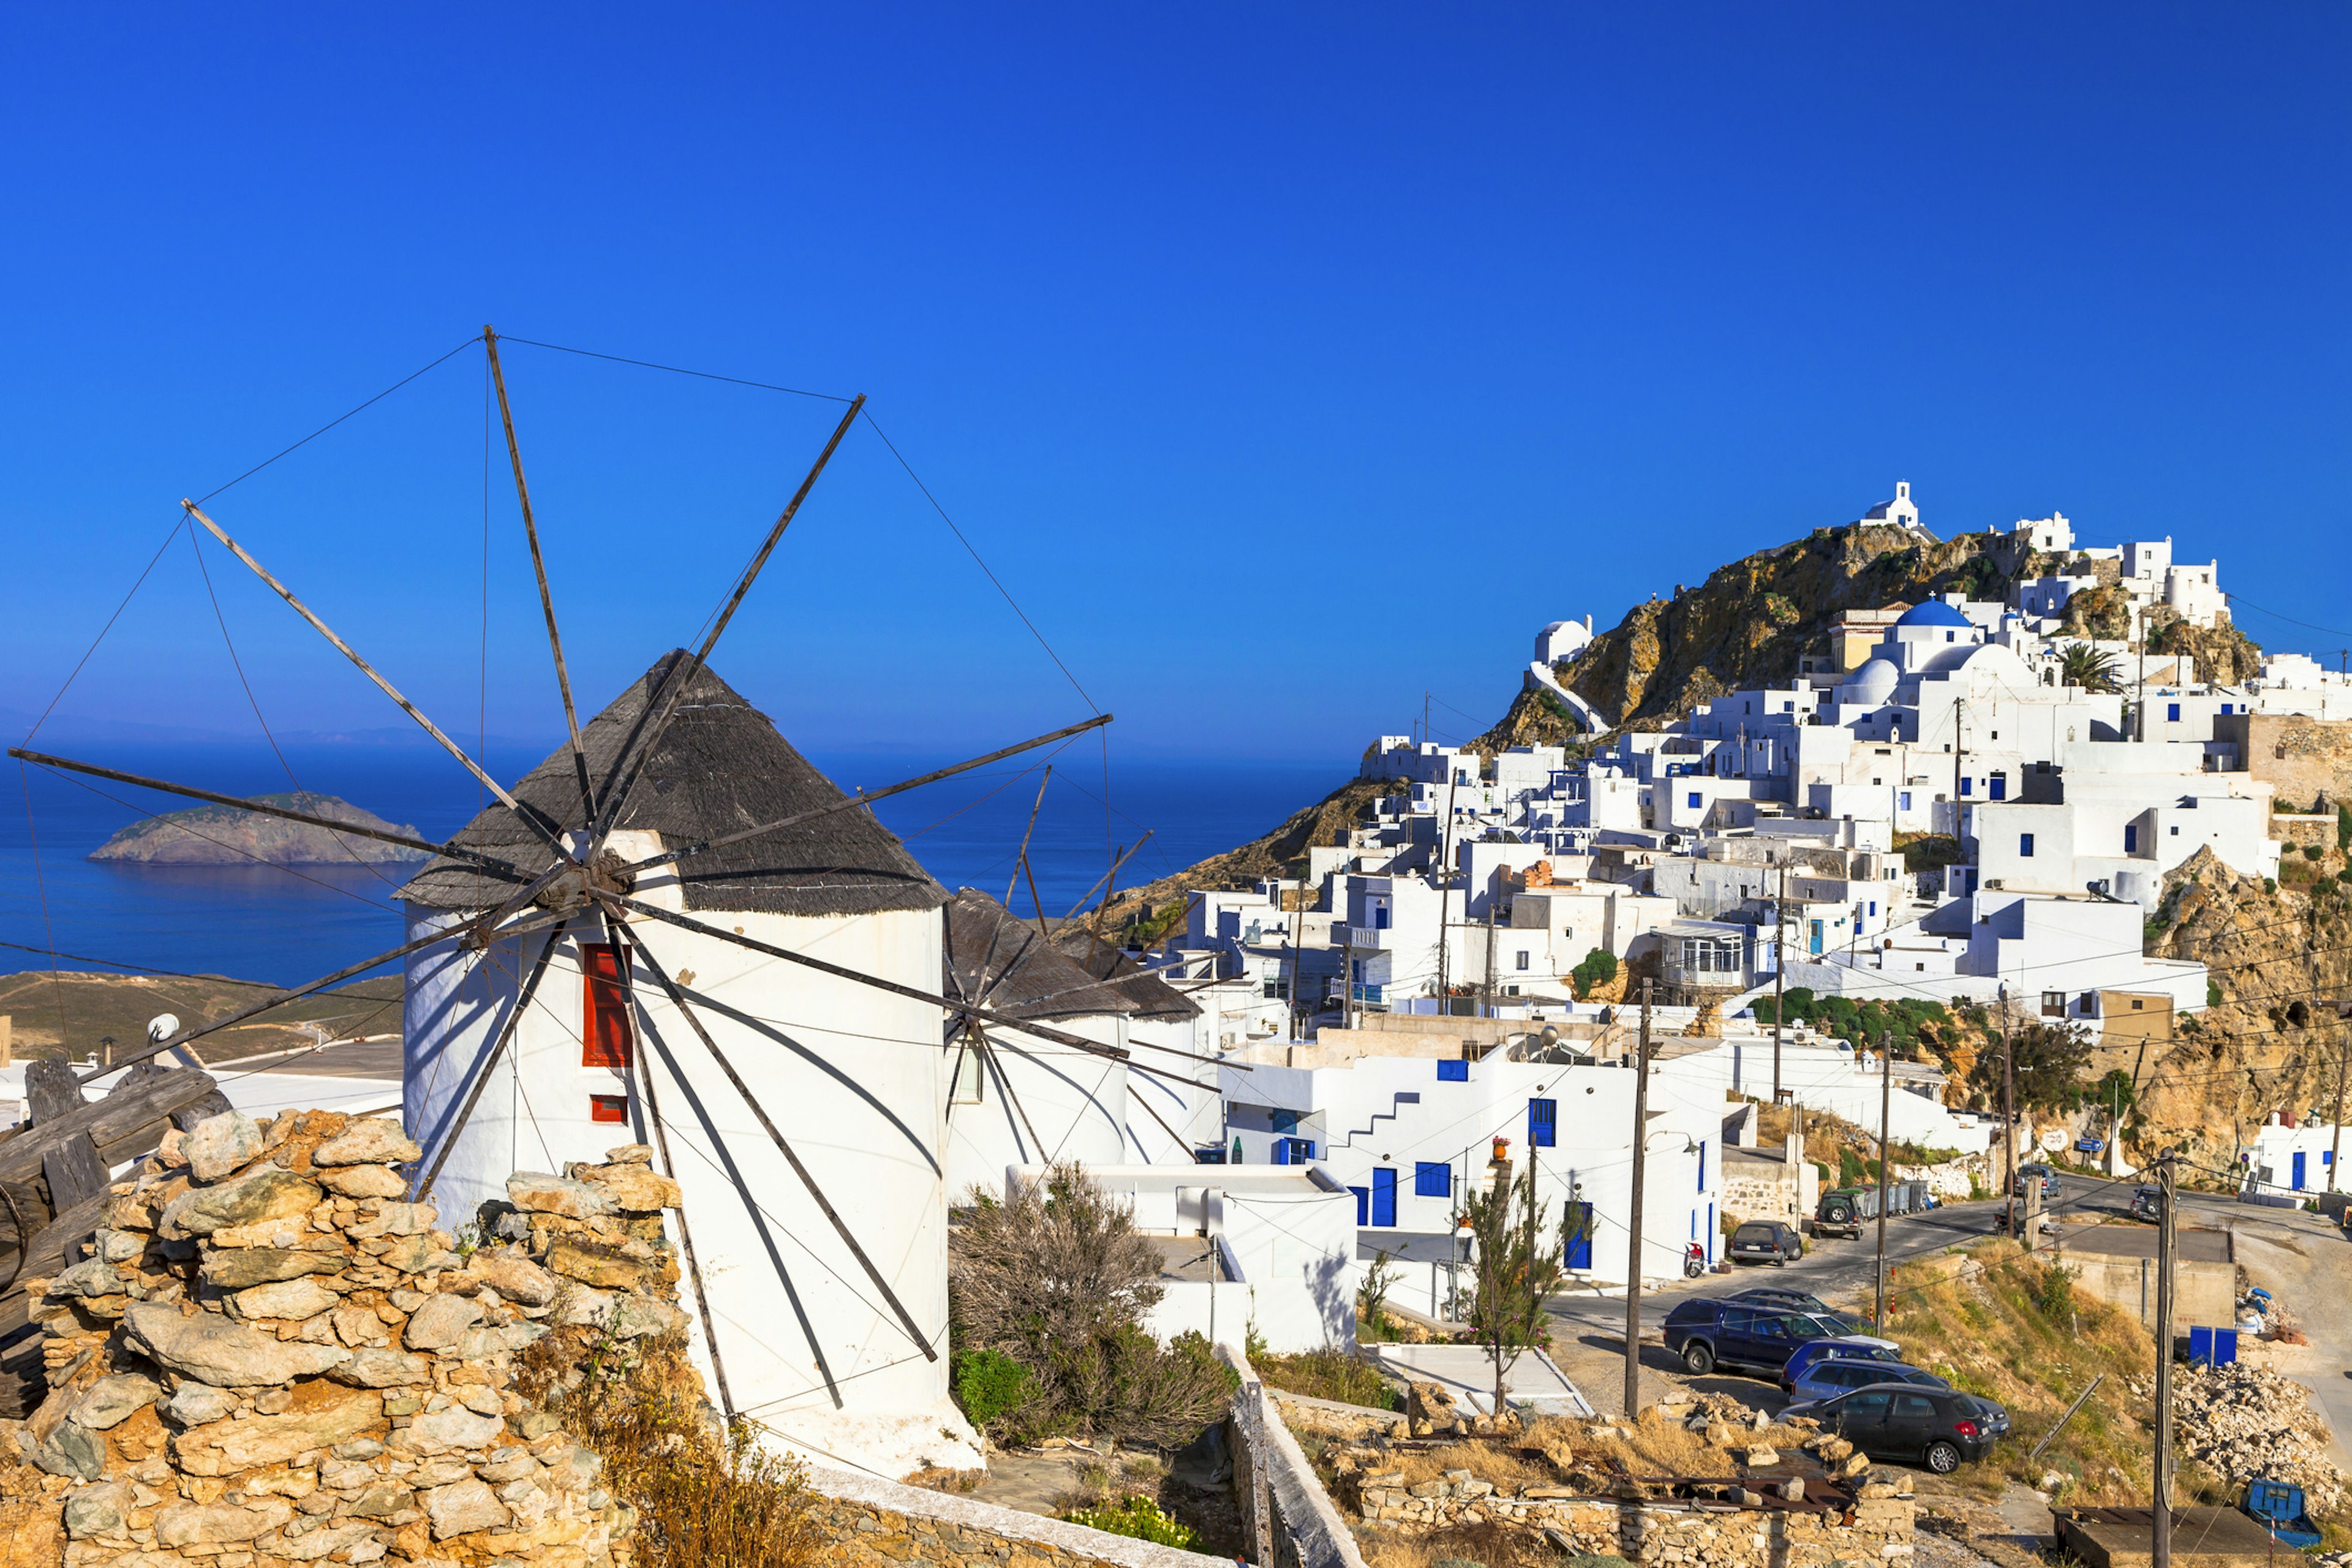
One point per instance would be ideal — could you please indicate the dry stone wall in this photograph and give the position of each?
(270, 1358)
(1878, 1525)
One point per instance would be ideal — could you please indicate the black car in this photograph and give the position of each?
(1939, 1428)
(1764, 1241)
(1780, 1295)
(1709, 1331)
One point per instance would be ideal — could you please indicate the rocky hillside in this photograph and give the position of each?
(1749, 621)
(222, 836)
(2281, 959)
(1158, 907)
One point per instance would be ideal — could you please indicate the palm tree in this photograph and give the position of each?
(2080, 664)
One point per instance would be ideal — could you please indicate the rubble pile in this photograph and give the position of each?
(2245, 1422)
(268, 1358)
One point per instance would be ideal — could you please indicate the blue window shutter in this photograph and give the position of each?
(1384, 1195)
(1543, 1123)
(2025, 846)
(1966, 785)
(2172, 711)
(1432, 1178)
(2131, 839)
(1363, 1203)
(1702, 1165)
(1282, 1150)
(1694, 800)
(1454, 1072)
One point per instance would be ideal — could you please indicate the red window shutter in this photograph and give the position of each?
(608, 1107)
(604, 1034)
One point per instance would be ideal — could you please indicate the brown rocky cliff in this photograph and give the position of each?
(2281, 960)
(1747, 624)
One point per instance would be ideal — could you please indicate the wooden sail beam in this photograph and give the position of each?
(157, 1047)
(641, 1073)
(422, 1188)
(1042, 1031)
(682, 675)
(867, 798)
(488, 862)
(824, 1205)
(1127, 855)
(1004, 1087)
(1012, 883)
(539, 569)
(383, 685)
(1032, 1056)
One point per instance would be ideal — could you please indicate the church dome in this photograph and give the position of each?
(1869, 685)
(1934, 613)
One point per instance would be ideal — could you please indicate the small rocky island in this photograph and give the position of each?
(222, 836)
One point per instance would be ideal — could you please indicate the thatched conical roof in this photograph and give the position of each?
(719, 768)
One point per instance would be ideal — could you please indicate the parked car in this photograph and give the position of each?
(1829, 1378)
(2036, 1171)
(1780, 1295)
(1710, 1331)
(1938, 1426)
(2147, 1202)
(1857, 1348)
(1764, 1241)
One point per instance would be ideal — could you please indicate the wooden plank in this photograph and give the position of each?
(114, 1124)
(74, 1171)
(50, 1091)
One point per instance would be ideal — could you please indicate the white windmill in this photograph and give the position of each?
(676, 931)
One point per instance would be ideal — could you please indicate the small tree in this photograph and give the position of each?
(2080, 664)
(1373, 1292)
(1598, 969)
(2344, 828)
(1513, 1274)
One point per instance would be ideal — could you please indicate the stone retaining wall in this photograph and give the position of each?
(869, 1522)
(1717, 1535)
(1289, 1519)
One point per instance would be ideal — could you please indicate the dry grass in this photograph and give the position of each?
(704, 1499)
(1981, 1320)
(1327, 1373)
(1493, 1545)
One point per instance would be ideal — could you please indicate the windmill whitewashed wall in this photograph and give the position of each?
(852, 1075)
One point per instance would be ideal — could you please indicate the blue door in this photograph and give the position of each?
(2298, 1171)
(1814, 937)
(1384, 1196)
(1579, 1217)
(1363, 1203)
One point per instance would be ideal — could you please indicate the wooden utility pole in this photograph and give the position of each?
(1886, 1161)
(1960, 753)
(2166, 1177)
(1490, 955)
(2139, 712)
(2009, 1116)
(2335, 1133)
(1445, 881)
(1633, 1246)
(1297, 918)
(1780, 974)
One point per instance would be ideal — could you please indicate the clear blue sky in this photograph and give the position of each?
(1283, 361)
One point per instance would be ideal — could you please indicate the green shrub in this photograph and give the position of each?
(2213, 987)
(1598, 969)
(989, 1384)
(1138, 1517)
(2053, 1294)
(2314, 851)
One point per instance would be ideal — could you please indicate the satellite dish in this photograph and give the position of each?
(162, 1026)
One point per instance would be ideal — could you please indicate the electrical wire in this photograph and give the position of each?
(985, 569)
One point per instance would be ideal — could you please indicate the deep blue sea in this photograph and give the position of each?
(290, 924)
